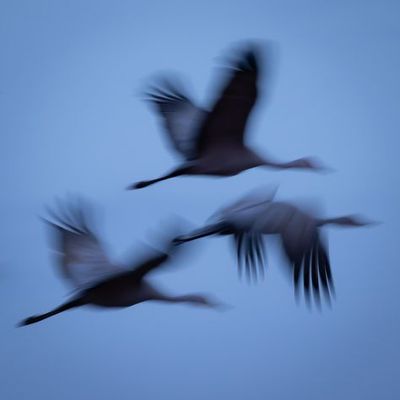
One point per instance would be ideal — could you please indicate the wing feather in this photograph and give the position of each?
(226, 122)
(315, 267)
(82, 258)
(181, 117)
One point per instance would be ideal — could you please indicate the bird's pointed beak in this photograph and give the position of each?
(319, 166)
(368, 222)
(324, 169)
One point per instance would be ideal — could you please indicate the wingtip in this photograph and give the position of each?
(251, 57)
(248, 61)
(164, 90)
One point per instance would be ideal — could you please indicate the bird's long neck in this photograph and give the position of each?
(174, 299)
(301, 163)
(274, 164)
(187, 298)
(347, 220)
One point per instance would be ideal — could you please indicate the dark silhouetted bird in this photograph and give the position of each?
(213, 143)
(97, 280)
(257, 214)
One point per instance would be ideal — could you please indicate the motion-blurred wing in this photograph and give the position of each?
(254, 202)
(82, 258)
(250, 254)
(226, 123)
(311, 267)
(256, 197)
(149, 264)
(181, 117)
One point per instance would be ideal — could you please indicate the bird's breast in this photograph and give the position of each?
(221, 166)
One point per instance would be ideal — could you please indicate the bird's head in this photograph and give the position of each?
(354, 221)
(199, 299)
(310, 163)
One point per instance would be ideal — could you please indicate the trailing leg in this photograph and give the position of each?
(64, 307)
(143, 184)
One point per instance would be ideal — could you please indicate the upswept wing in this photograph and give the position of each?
(226, 122)
(181, 117)
(82, 259)
(154, 261)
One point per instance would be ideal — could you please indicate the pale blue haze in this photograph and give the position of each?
(71, 120)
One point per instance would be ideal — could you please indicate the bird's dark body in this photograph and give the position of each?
(119, 292)
(228, 163)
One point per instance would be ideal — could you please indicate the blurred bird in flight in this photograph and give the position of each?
(213, 142)
(96, 279)
(257, 214)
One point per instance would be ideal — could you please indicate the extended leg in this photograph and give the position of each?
(64, 307)
(220, 227)
(142, 184)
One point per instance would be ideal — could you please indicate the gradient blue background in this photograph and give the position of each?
(71, 121)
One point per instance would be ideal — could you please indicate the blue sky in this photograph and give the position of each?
(72, 121)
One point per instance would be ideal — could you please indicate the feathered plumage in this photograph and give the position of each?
(253, 216)
(213, 142)
(96, 279)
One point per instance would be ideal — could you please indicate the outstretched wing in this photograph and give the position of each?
(226, 123)
(305, 251)
(82, 259)
(312, 269)
(250, 254)
(181, 117)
